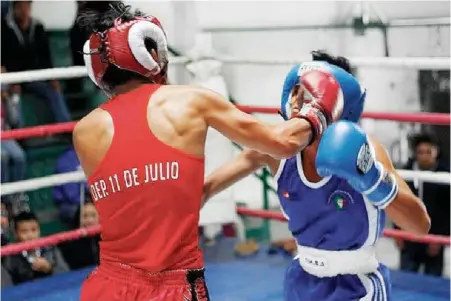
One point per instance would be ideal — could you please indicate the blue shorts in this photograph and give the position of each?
(301, 286)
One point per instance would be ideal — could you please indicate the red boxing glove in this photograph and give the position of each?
(326, 103)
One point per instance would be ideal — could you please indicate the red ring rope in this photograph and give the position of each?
(66, 127)
(392, 233)
(50, 240)
(425, 118)
(91, 231)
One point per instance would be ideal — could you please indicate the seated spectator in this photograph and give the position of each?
(6, 278)
(5, 4)
(4, 222)
(69, 196)
(436, 198)
(25, 46)
(32, 264)
(83, 252)
(13, 158)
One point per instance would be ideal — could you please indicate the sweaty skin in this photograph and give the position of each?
(407, 211)
(180, 116)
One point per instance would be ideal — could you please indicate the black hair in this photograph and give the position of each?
(98, 16)
(339, 61)
(13, 3)
(418, 139)
(24, 216)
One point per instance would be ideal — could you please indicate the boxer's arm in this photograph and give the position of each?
(406, 210)
(247, 162)
(282, 141)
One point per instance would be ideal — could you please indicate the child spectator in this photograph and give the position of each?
(83, 252)
(4, 222)
(32, 264)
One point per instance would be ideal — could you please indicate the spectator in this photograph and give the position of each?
(6, 278)
(13, 158)
(69, 196)
(38, 263)
(436, 198)
(4, 222)
(25, 46)
(5, 4)
(78, 37)
(83, 252)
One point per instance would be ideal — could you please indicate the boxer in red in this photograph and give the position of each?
(142, 152)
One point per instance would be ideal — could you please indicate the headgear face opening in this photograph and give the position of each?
(123, 46)
(353, 94)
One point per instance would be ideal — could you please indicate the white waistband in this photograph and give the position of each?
(323, 263)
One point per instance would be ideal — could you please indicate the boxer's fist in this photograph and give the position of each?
(326, 99)
(344, 151)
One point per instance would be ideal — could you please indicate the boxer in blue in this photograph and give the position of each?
(335, 194)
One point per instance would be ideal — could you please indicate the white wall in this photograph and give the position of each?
(394, 90)
(388, 89)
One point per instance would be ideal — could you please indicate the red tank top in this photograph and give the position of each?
(147, 193)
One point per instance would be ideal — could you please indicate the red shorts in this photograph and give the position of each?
(118, 282)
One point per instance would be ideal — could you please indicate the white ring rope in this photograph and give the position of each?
(437, 63)
(79, 176)
(42, 182)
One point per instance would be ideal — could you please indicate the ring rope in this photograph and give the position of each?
(38, 131)
(79, 176)
(432, 63)
(42, 182)
(392, 233)
(80, 71)
(424, 118)
(91, 231)
(50, 240)
(65, 127)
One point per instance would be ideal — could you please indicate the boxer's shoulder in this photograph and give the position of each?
(176, 93)
(93, 126)
(96, 119)
(92, 137)
(195, 97)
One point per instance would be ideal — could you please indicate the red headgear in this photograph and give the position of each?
(123, 46)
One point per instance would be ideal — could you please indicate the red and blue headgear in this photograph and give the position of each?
(123, 45)
(353, 94)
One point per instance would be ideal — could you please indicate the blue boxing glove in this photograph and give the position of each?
(344, 151)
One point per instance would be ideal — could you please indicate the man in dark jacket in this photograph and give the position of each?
(436, 198)
(13, 157)
(32, 264)
(25, 46)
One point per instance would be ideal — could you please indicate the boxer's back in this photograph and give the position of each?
(144, 159)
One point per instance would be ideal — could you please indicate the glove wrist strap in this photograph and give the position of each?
(385, 190)
(315, 117)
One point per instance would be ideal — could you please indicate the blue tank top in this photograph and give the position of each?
(327, 215)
